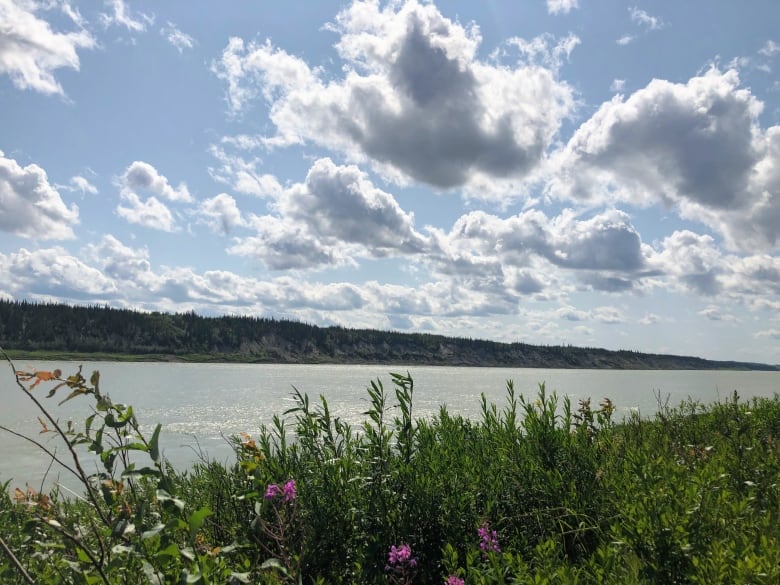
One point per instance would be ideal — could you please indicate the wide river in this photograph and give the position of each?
(201, 404)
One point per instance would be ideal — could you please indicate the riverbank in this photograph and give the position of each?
(42, 331)
(536, 491)
(222, 358)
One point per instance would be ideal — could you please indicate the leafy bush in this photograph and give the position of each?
(533, 492)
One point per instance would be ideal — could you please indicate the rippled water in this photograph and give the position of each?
(201, 404)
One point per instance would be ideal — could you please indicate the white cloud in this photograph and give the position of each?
(30, 51)
(52, 271)
(692, 261)
(561, 6)
(414, 99)
(141, 176)
(768, 334)
(221, 213)
(643, 18)
(618, 85)
(119, 261)
(79, 183)
(714, 313)
(696, 146)
(151, 213)
(649, 319)
(545, 50)
(625, 39)
(243, 175)
(608, 315)
(484, 245)
(570, 313)
(121, 16)
(770, 49)
(178, 39)
(335, 215)
(30, 206)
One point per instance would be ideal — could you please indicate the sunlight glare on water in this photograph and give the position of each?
(201, 405)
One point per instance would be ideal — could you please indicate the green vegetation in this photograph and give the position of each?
(536, 491)
(56, 331)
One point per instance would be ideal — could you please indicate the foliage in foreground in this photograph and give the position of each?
(534, 492)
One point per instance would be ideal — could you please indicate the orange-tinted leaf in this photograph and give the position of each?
(44, 428)
(19, 496)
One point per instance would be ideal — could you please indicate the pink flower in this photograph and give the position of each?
(289, 491)
(454, 580)
(488, 539)
(272, 491)
(400, 558)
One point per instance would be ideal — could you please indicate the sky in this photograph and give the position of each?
(600, 174)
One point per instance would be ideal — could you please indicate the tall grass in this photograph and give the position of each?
(535, 490)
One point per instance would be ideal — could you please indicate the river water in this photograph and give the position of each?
(201, 404)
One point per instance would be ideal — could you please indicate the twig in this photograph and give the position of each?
(83, 478)
(42, 448)
(16, 561)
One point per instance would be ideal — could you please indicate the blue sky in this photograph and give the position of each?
(556, 172)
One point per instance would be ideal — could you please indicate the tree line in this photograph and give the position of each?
(30, 327)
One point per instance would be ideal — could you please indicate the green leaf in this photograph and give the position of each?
(165, 497)
(154, 531)
(275, 564)
(171, 551)
(197, 519)
(154, 448)
(143, 472)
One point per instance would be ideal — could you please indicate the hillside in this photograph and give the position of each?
(36, 329)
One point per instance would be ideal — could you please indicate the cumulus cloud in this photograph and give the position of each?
(150, 213)
(561, 6)
(119, 261)
(52, 271)
(696, 146)
(30, 51)
(714, 313)
(178, 39)
(335, 214)
(142, 178)
(30, 206)
(414, 99)
(220, 213)
(693, 261)
(603, 247)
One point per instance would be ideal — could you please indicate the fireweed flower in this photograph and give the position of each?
(454, 580)
(488, 539)
(272, 491)
(289, 491)
(400, 558)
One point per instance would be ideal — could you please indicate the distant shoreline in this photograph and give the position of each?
(72, 333)
(44, 355)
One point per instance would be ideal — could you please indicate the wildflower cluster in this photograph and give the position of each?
(488, 539)
(454, 580)
(400, 561)
(286, 492)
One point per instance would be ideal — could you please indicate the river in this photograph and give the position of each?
(201, 404)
